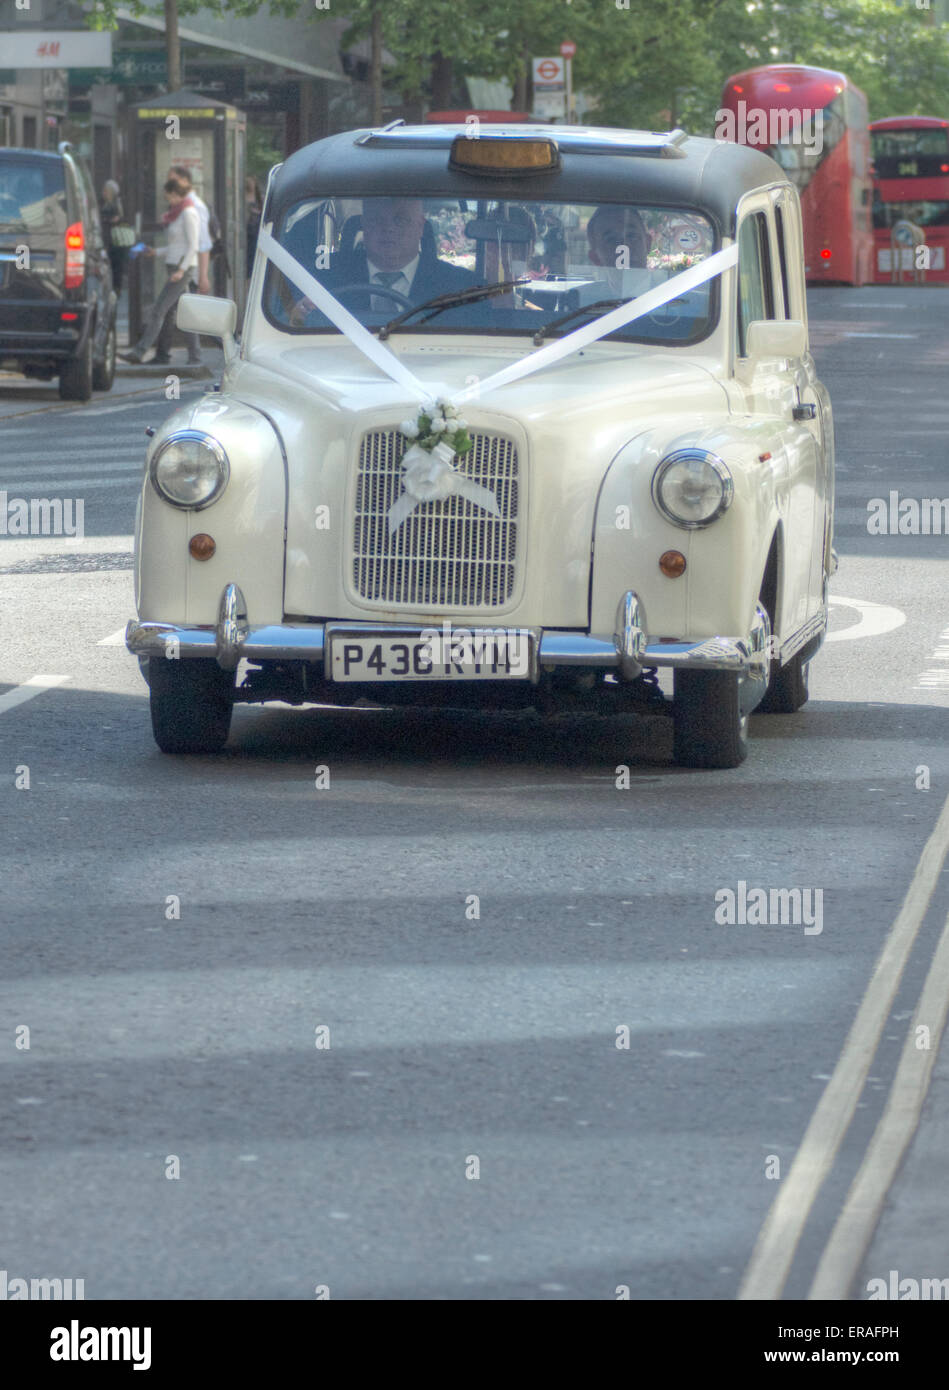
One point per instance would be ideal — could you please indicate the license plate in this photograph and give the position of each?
(446, 654)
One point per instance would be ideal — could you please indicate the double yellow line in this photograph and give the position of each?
(780, 1235)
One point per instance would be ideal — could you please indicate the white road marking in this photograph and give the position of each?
(127, 473)
(778, 1238)
(34, 686)
(880, 335)
(936, 678)
(875, 619)
(861, 1211)
(115, 639)
(65, 452)
(32, 469)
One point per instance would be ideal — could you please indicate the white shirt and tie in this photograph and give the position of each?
(398, 280)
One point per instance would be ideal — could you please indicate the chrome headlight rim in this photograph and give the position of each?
(214, 446)
(717, 464)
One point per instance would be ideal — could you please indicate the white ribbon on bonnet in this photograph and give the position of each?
(431, 477)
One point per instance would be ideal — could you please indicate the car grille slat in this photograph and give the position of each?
(449, 554)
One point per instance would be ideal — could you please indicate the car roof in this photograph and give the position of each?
(597, 165)
(7, 151)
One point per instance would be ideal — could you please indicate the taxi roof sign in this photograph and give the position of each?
(500, 153)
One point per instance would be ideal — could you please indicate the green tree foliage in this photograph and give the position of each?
(647, 63)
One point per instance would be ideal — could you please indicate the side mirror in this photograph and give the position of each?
(770, 338)
(202, 313)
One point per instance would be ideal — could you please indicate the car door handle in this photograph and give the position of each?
(804, 412)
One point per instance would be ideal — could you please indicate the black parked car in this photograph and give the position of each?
(57, 304)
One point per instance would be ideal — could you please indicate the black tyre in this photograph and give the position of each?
(191, 704)
(709, 729)
(103, 373)
(787, 688)
(75, 376)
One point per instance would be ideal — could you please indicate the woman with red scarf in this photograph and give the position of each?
(182, 225)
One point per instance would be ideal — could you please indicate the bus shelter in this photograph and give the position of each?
(208, 138)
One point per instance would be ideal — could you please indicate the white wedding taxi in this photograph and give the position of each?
(519, 417)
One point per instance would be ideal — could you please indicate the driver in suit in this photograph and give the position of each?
(394, 255)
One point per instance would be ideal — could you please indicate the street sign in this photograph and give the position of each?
(568, 48)
(132, 67)
(549, 73)
(549, 106)
(60, 48)
(550, 89)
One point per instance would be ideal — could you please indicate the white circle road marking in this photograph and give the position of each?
(875, 619)
(36, 685)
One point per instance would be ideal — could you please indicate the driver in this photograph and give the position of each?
(395, 255)
(618, 239)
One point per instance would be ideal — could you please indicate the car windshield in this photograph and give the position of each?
(32, 195)
(383, 255)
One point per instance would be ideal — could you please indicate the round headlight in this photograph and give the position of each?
(692, 487)
(190, 469)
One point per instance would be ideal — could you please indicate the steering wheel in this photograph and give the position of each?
(666, 315)
(373, 290)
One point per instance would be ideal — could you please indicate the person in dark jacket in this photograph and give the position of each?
(394, 255)
(113, 215)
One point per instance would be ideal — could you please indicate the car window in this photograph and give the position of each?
(784, 289)
(79, 193)
(754, 275)
(32, 195)
(568, 255)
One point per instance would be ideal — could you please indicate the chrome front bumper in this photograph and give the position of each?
(630, 649)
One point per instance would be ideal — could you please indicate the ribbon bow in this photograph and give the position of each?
(431, 477)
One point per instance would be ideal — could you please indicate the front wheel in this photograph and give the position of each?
(191, 704)
(787, 689)
(709, 729)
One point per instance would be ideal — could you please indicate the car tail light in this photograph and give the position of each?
(75, 256)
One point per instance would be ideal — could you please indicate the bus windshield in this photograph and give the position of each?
(910, 154)
(799, 160)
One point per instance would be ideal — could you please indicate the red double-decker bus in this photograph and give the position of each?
(814, 123)
(911, 184)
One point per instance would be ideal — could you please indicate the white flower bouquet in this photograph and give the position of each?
(436, 425)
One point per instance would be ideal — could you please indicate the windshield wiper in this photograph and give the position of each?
(445, 301)
(601, 305)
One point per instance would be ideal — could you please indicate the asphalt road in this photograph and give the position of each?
(454, 1038)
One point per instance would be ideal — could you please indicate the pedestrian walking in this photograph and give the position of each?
(119, 234)
(181, 260)
(205, 240)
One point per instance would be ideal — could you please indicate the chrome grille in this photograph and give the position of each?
(450, 554)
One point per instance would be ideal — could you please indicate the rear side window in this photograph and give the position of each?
(91, 211)
(32, 195)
